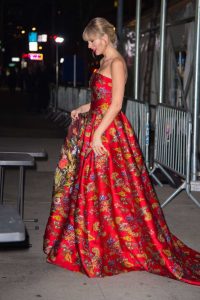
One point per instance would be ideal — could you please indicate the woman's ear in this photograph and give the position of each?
(105, 38)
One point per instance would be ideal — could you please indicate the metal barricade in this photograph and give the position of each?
(84, 96)
(172, 148)
(61, 105)
(69, 98)
(138, 114)
(52, 92)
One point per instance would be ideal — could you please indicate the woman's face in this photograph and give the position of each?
(97, 45)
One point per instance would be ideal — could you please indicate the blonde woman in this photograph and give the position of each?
(105, 217)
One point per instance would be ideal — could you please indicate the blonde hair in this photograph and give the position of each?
(99, 27)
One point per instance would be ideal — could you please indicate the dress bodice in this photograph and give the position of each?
(101, 88)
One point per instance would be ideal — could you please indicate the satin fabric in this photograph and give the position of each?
(105, 217)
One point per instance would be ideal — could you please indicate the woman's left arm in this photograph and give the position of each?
(118, 85)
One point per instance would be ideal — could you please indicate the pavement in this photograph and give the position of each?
(24, 273)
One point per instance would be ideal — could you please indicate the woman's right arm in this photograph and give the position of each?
(80, 110)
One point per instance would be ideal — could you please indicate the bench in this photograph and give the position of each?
(34, 152)
(20, 160)
(12, 227)
(11, 220)
(18, 152)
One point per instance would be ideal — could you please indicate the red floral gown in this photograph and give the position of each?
(105, 217)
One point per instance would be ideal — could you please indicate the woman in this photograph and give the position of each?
(105, 217)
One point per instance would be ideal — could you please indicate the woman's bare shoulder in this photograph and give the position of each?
(119, 63)
(118, 60)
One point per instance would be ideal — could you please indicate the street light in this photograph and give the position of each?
(58, 40)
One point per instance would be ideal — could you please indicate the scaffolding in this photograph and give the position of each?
(195, 184)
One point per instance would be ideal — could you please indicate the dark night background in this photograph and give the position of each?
(30, 82)
(67, 18)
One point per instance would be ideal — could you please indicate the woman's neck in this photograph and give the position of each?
(110, 53)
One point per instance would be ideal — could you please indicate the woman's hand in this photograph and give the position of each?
(97, 145)
(75, 113)
(80, 110)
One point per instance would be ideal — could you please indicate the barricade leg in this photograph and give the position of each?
(182, 187)
(166, 174)
(155, 177)
(158, 166)
(188, 168)
(193, 198)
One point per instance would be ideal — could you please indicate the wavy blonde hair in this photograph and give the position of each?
(99, 27)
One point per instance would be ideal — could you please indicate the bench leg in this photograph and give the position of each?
(1, 182)
(20, 201)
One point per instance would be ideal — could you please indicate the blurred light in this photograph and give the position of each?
(32, 37)
(32, 56)
(15, 59)
(3, 49)
(23, 32)
(25, 55)
(11, 65)
(115, 3)
(24, 64)
(62, 60)
(58, 39)
(35, 56)
(42, 38)
(40, 47)
(33, 46)
(33, 28)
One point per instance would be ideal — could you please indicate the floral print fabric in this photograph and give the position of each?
(105, 217)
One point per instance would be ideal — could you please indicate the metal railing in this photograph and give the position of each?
(138, 114)
(172, 147)
(68, 98)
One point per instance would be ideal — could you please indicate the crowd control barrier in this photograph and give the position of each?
(68, 98)
(63, 101)
(172, 148)
(52, 100)
(138, 114)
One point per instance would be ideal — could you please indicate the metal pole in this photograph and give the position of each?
(53, 28)
(57, 77)
(137, 49)
(196, 93)
(2, 2)
(74, 71)
(119, 17)
(162, 48)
